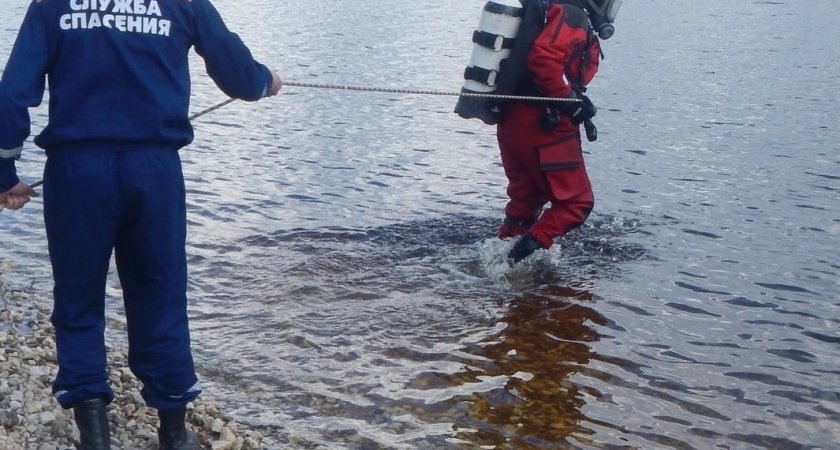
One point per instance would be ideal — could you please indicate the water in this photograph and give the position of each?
(346, 292)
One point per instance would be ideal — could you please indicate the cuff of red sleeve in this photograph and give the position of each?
(8, 174)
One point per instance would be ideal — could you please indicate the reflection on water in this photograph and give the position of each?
(545, 339)
(346, 291)
(410, 330)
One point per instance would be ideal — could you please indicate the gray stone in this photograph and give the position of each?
(9, 419)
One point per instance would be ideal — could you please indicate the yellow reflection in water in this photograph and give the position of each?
(546, 339)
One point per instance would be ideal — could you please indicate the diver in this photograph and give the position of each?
(540, 144)
(556, 53)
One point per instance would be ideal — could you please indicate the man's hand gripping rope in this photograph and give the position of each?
(18, 195)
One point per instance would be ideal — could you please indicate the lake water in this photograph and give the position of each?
(346, 291)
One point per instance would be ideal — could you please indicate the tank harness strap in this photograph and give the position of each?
(481, 75)
(577, 82)
(492, 41)
(506, 10)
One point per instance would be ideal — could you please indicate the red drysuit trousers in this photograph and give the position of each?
(544, 167)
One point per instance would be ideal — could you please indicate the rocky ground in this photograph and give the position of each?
(31, 419)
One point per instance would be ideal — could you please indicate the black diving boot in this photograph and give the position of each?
(173, 433)
(523, 248)
(92, 420)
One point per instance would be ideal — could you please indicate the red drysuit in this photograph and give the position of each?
(547, 166)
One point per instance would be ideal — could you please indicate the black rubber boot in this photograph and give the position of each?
(523, 247)
(92, 420)
(173, 433)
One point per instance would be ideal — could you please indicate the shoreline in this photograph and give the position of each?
(30, 418)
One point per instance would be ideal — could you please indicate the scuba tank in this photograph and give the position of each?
(492, 43)
(507, 31)
(510, 63)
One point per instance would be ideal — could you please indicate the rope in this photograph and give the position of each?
(211, 109)
(345, 87)
(426, 92)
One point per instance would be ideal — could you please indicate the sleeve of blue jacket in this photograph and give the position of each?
(227, 60)
(21, 88)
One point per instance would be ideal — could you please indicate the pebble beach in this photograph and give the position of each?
(31, 419)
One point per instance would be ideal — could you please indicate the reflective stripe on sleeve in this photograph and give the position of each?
(13, 153)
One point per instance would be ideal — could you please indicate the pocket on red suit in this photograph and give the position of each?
(561, 163)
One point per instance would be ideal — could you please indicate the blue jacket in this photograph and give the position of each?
(118, 74)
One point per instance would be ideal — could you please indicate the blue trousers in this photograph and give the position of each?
(130, 203)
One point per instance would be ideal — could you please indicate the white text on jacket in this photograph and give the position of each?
(132, 16)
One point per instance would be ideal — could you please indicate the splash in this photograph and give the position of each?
(492, 256)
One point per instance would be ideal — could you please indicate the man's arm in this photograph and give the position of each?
(564, 35)
(21, 87)
(228, 60)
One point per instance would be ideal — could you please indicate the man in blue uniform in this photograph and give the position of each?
(118, 114)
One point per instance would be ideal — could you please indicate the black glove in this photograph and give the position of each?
(523, 247)
(578, 111)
